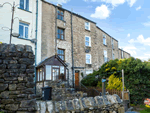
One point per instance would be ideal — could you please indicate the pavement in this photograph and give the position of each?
(131, 112)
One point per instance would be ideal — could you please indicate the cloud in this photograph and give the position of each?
(140, 39)
(147, 24)
(149, 17)
(130, 49)
(138, 8)
(101, 12)
(116, 2)
(58, 1)
(128, 35)
(131, 2)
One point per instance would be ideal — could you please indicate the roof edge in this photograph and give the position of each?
(69, 11)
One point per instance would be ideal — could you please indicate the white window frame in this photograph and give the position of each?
(104, 37)
(24, 26)
(105, 56)
(90, 59)
(87, 26)
(89, 41)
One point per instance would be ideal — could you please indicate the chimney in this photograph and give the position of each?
(59, 5)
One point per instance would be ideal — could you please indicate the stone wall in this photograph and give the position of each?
(98, 104)
(16, 79)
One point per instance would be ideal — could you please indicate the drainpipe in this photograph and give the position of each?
(67, 76)
(36, 31)
(72, 52)
(56, 31)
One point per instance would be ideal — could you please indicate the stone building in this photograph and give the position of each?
(78, 41)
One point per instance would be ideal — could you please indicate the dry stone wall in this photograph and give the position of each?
(16, 79)
(98, 104)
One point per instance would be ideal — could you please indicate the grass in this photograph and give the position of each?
(141, 108)
(147, 110)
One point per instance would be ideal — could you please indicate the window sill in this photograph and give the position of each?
(88, 30)
(88, 46)
(24, 38)
(61, 20)
(105, 45)
(25, 10)
(61, 39)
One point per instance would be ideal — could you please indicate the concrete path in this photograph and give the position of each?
(131, 112)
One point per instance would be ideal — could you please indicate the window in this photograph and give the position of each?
(60, 14)
(23, 30)
(112, 43)
(113, 55)
(105, 56)
(121, 54)
(87, 25)
(89, 72)
(87, 41)
(88, 59)
(104, 39)
(24, 4)
(61, 53)
(48, 72)
(60, 33)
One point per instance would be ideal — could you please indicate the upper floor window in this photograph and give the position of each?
(60, 14)
(105, 56)
(121, 53)
(24, 4)
(23, 30)
(60, 33)
(87, 41)
(113, 55)
(61, 53)
(112, 43)
(87, 25)
(104, 39)
(88, 59)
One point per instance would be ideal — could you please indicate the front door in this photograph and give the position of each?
(76, 79)
(55, 75)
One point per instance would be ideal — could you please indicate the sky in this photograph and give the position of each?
(128, 21)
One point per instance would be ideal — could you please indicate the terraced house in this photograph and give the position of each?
(78, 41)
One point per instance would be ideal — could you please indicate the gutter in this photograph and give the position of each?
(36, 31)
(73, 76)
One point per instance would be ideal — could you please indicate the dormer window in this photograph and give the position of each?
(60, 14)
(104, 39)
(87, 25)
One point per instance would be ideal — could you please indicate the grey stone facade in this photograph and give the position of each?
(49, 25)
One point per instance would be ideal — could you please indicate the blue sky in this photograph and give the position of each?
(128, 21)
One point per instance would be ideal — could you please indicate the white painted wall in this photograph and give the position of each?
(26, 17)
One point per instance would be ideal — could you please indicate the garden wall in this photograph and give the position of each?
(16, 79)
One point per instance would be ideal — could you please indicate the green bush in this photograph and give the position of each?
(136, 75)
